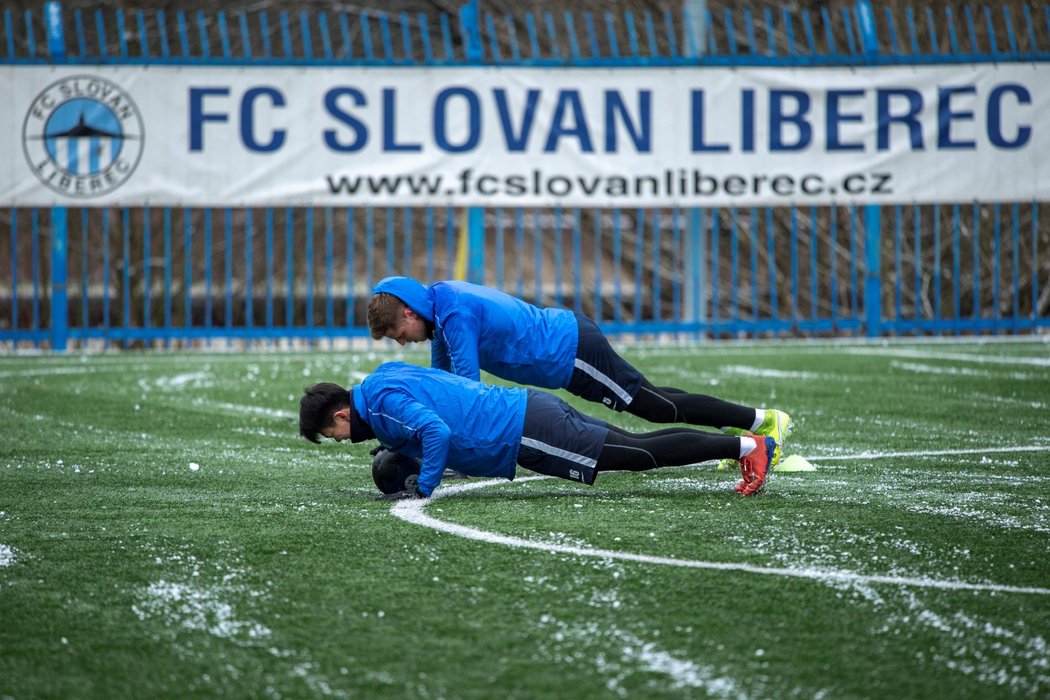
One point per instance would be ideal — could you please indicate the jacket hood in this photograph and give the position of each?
(415, 295)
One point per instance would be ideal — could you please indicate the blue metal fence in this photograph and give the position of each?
(171, 276)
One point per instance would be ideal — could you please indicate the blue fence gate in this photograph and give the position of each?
(164, 276)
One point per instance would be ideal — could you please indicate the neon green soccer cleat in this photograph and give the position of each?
(776, 425)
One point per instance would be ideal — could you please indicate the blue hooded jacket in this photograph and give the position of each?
(447, 420)
(479, 328)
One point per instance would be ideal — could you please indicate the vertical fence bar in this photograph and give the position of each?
(937, 265)
(657, 265)
(976, 218)
(617, 258)
(429, 229)
(558, 261)
(676, 266)
(833, 233)
(85, 317)
(996, 239)
(125, 316)
(289, 288)
(146, 254)
(308, 231)
(14, 272)
(599, 249)
(268, 224)
(35, 260)
(956, 282)
(639, 257)
(577, 271)
(105, 277)
(538, 257)
(329, 272)
(207, 273)
(734, 264)
(813, 266)
(351, 277)
(917, 264)
(499, 248)
(167, 277)
(855, 284)
(755, 244)
(899, 286)
(1015, 231)
(248, 256)
(187, 253)
(794, 269)
(1034, 257)
(228, 271)
(715, 292)
(408, 228)
(519, 249)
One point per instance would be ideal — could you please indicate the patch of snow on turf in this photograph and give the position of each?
(8, 555)
(241, 409)
(766, 373)
(927, 354)
(990, 653)
(618, 655)
(195, 597)
(178, 382)
(919, 368)
(196, 608)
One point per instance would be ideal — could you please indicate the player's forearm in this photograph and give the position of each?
(436, 437)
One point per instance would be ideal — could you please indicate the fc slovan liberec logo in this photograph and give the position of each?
(83, 136)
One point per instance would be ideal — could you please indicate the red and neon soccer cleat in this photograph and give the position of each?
(756, 467)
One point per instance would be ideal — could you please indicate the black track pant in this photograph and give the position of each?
(664, 404)
(672, 447)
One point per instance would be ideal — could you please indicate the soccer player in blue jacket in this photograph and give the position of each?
(480, 430)
(473, 328)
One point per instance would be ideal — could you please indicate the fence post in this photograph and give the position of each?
(56, 45)
(471, 23)
(872, 212)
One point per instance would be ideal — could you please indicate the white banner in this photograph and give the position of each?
(260, 136)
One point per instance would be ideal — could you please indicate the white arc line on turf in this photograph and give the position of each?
(411, 511)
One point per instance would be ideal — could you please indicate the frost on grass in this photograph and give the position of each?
(197, 598)
(620, 656)
(997, 654)
(196, 608)
(993, 653)
(8, 555)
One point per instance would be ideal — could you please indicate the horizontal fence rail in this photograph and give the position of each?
(167, 277)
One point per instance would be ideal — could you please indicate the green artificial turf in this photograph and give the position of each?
(913, 563)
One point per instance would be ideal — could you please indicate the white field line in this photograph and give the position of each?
(45, 372)
(952, 356)
(931, 453)
(411, 511)
(257, 410)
